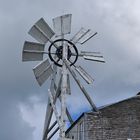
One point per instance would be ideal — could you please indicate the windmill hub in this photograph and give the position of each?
(59, 52)
(56, 52)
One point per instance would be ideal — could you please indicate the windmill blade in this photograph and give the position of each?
(62, 24)
(90, 53)
(43, 71)
(38, 35)
(87, 36)
(83, 35)
(68, 85)
(41, 31)
(93, 58)
(79, 35)
(45, 28)
(32, 51)
(94, 54)
(84, 74)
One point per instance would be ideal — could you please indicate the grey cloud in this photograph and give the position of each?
(118, 30)
(12, 126)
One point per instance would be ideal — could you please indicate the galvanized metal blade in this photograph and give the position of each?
(86, 53)
(62, 24)
(84, 74)
(43, 71)
(32, 51)
(79, 35)
(45, 28)
(93, 58)
(83, 35)
(87, 36)
(41, 31)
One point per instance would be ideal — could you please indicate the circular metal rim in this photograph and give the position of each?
(73, 45)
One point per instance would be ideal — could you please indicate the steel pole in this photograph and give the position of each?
(63, 92)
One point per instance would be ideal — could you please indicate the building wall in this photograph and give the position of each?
(75, 132)
(116, 122)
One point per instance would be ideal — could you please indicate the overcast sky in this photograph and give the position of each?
(23, 102)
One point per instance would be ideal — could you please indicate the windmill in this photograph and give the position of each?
(63, 54)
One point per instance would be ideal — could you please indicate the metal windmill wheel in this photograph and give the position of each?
(64, 54)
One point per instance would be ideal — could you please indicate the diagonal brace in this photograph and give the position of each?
(80, 85)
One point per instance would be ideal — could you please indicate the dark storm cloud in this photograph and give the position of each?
(118, 30)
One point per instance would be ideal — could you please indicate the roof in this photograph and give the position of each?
(100, 108)
(75, 122)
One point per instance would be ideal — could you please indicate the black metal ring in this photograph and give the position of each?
(58, 40)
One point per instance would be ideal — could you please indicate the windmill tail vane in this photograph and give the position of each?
(63, 53)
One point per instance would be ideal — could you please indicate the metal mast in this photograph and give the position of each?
(64, 85)
(64, 92)
(64, 54)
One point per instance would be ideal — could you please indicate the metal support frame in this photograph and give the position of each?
(49, 111)
(55, 110)
(63, 89)
(67, 112)
(32, 52)
(80, 85)
(69, 116)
